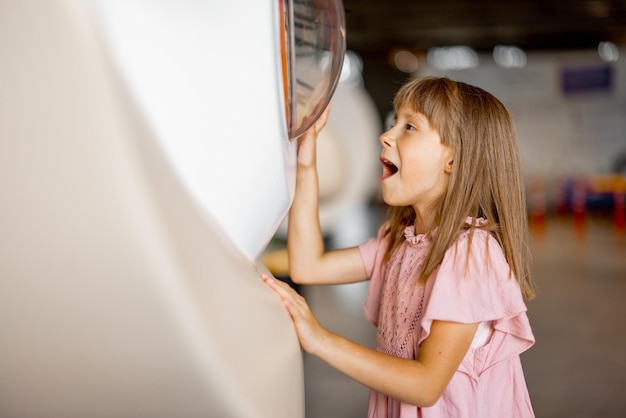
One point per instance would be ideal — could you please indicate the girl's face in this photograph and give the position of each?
(416, 165)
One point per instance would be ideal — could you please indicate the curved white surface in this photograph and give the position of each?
(120, 295)
(186, 61)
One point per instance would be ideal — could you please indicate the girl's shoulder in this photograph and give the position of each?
(477, 252)
(477, 234)
(474, 283)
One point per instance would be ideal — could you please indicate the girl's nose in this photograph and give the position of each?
(386, 138)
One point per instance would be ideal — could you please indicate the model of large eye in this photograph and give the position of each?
(314, 45)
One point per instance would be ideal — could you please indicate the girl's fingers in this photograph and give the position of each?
(283, 289)
(291, 299)
(307, 141)
(323, 119)
(306, 324)
(271, 282)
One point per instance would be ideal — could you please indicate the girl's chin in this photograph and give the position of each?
(389, 201)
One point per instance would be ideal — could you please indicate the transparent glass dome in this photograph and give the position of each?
(315, 48)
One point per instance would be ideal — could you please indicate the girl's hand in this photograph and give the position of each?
(310, 333)
(307, 141)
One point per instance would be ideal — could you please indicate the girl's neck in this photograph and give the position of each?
(424, 225)
(424, 219)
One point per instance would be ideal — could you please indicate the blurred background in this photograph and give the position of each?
(559, 66)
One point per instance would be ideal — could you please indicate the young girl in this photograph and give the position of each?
(448, 271)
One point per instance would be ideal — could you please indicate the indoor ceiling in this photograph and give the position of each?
(375, 27)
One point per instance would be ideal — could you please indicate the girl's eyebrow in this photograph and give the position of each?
(413, 116)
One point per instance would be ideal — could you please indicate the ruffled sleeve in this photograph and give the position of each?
(476, 289)
(372, 253)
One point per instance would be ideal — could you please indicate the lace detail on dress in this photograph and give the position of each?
(402, 300)
(402, 297)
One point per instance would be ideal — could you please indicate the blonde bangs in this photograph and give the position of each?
(435, 99)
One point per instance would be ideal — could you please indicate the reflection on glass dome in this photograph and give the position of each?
(315, 33)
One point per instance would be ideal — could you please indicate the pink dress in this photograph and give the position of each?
(489, 382)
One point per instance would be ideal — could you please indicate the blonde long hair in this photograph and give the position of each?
(486, 180)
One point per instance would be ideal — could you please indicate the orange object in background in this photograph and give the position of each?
(579, 205)
(537, 200)
(619, 211)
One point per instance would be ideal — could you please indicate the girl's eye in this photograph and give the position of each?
(409, 127)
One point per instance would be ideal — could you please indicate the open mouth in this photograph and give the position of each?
(389, 169)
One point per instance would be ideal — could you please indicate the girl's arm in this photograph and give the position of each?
(309, 263)
(418, 382)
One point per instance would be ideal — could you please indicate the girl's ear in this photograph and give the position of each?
(448, 168)
(450, 154)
